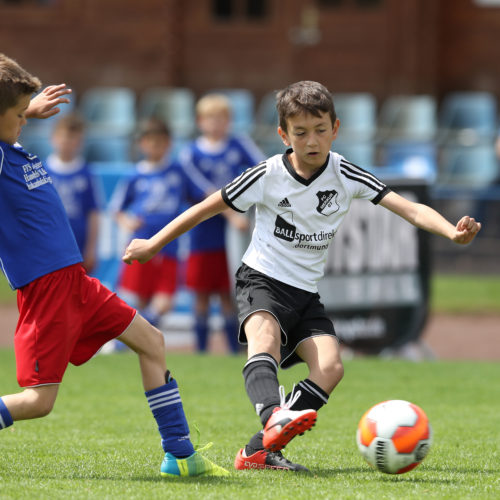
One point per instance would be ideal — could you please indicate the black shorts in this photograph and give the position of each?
(300, 314)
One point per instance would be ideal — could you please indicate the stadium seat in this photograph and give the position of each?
(242, 103)
(266, 124)
(468, 118)
(109, 110)
(107, 148)
(357, 115)
(361, 153)
(468, 166)
(408, 117)
(175, 106)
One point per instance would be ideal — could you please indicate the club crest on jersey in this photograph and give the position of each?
(327, 203)
(283, 229)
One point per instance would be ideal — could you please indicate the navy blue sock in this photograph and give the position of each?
(201, 330)
(231, 328)
(166, 405)
(5, 416)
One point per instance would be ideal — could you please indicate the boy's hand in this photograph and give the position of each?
(466, 230)
(138, 250)
(44, 105)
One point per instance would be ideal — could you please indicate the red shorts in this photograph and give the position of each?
(206, 272)
(158, 275)
(64, 317)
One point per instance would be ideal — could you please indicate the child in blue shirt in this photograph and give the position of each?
(65, 316)
(73, 180)
(143, 204)
(218, 157)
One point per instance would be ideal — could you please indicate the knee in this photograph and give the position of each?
(39, 405)
(331, 374)
(156, 342)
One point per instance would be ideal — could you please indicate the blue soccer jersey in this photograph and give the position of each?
(35, 234)
(217, 165)
(75, 185)
(156, 196)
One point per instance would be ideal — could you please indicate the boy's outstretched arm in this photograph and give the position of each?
(429, 219)
(144, 250)
(44, 105)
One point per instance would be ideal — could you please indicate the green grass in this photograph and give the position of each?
(465, 294)
(100, 441)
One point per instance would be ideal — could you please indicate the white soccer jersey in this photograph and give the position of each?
(296, 219)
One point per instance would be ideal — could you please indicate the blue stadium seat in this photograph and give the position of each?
(468, 166)
(357, 115)
(361, 153)
(468, 118)
(266, 124)
(103, 148)
(408, 117)
(109, 110)
(243, 104)
(175, 106)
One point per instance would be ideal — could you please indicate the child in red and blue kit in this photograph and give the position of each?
(143, 204)
(217, 157)
(65, 316)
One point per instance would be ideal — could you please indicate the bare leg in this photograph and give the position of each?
(33, 402)
(322, 356)
(147, 341)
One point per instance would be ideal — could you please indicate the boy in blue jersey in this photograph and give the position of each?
(71, 176)
(144, 203)
(218, 157)
(301, 198)
(65, 316)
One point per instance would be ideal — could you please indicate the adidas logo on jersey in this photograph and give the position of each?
(284, 203)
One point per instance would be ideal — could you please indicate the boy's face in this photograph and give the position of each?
(67, 143)
(310, 137)
(214, 124)
(13, 120)
(154, 147)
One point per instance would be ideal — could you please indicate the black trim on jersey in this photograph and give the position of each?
(358, 174)
(381, 195)
(296, 176)
(239, 185)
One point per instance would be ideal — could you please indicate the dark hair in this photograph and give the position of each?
(153, 126)
(304, 97)
(14, 83)
(73, 122)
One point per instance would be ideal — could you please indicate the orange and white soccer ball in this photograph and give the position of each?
(394, 436)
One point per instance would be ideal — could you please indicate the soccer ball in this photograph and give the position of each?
(394, 436)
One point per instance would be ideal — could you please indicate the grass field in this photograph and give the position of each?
(450, 293)
(100, 441)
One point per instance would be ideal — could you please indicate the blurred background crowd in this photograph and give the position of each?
(416, 85)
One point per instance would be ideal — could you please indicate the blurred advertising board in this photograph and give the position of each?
(377, 274)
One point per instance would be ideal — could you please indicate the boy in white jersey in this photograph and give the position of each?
(301, 198)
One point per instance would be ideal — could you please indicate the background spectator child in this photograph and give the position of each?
(74, 183)
(144, 203)
(217, 157)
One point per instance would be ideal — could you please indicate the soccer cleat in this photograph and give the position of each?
(195, 465)
(263, 459)
(284, 424)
